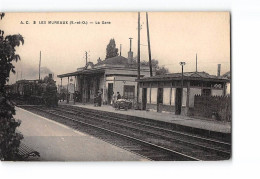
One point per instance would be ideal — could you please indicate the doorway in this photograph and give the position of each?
(110, 93)
(144, 98)
(88, 91)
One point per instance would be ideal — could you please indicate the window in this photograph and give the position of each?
(129, 92)
(206, 92)
(216, 92)
(148, 95)
(154, 95)
(184, 96)
(173, 96)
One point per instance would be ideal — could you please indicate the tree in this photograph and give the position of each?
(159, 70)
(112, 51)
(9, 138)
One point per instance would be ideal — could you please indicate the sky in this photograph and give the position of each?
(174, 36)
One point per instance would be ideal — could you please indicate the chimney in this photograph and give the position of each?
(130, 53)
(219, 68)
(50, 76)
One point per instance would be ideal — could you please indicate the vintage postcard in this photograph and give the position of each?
(115, 86)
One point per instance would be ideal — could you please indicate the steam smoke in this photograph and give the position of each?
(28, 72)
(45, 70)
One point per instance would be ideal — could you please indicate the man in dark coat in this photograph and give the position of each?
(118, 96)
(99, 98)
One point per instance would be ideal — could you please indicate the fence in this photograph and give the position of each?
(215, 107)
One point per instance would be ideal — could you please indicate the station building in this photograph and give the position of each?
(164, 92)
(112, 75)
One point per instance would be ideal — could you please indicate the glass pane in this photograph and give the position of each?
(148, 95)
(154, 95)
(173, 96)
(166, 96)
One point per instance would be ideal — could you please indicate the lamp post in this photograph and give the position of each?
(182, 64)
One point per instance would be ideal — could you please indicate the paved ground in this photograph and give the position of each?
(167, 117)
(57, 142)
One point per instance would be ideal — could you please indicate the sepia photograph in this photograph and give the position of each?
(115, 86)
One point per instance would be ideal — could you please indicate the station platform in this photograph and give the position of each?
(197, 123)
(57, 142)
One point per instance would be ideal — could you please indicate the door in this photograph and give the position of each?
(88, 91)
(144, 98)
(110, 93)
(178, 101)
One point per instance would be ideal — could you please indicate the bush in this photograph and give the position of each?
(9, 138)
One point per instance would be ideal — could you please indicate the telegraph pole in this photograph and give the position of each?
(138, 61)
(86, 53)
(149, 47)
(196, 63)
(40, 65)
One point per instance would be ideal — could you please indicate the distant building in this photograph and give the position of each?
(164, 92)
(112, 75)
(227, 75)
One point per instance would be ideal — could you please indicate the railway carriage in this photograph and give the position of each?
(35, 92)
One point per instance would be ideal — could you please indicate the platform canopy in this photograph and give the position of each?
(82, 72)
(200, 76)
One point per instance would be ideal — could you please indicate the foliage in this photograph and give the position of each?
(159, 70)
(112, 51)
(9, 138)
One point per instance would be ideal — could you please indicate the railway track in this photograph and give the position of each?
(145, 139)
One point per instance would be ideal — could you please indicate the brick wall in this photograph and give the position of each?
(214, 107)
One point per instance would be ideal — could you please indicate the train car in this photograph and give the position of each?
(35, 92)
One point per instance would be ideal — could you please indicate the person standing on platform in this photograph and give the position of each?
(63, 96)
(99, 98)
(118, 96)
(114, 97)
